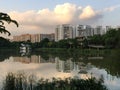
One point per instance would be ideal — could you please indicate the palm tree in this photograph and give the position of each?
(5, 17)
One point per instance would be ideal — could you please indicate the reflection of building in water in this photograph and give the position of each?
(33, 59)
(65, 66)
(68, 66)
(51, 59)
(22, 59)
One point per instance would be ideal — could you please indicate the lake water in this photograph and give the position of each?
(105, 64)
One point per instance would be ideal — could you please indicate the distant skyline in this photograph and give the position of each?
(38, 16)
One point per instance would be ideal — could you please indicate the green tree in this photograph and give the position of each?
(44, 42)
(5, 17)
(118, 38)
(63, 43)
(73, 43)
(4, 42)
(96, 40)
(110, 38)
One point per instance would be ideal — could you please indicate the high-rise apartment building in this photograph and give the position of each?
(84, 31)
(98, 30)
(64, 31)
(107, 28)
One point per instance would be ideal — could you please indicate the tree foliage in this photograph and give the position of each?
(110, 40)
(6, 18)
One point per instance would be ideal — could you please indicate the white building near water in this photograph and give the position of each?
(64, 31)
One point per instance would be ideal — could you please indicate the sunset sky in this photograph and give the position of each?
(41, 16)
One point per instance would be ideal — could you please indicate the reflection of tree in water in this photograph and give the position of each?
(76, 55)
(45, 56)
(107, 59)
(5, 54)
(110, 62)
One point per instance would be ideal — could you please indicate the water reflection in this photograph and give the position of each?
(55, 67)
(61, 66)
(32, 59)
(83, 64)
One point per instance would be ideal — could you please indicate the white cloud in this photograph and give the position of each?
(65, 12)
(61, 14)
(87, 13)
(112, 8)
(45, 20)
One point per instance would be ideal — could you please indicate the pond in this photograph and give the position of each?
(84, 64)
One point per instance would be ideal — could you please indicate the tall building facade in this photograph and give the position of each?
(51, 36)
(64, 31)
(107, 28)
(98, 30)
(35, 38)
(84, 31)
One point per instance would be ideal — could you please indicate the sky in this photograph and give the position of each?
(42, 16)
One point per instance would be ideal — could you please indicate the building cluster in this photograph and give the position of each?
(34, 37)
(65, 31)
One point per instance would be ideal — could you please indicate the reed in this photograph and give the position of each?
(30, 82)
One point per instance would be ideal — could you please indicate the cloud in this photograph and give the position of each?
(112, 8)
(61, 14)
(90, 16)
(45, 20)
(87, 13)
(65, 12)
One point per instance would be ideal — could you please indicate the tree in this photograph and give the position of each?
(110, 38)
(4, 42)
(96, 40)
(44, 42)
(5, 17)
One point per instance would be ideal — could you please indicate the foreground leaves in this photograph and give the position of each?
(5, 18)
